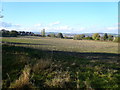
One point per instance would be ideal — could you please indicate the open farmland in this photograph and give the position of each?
(64, 44)
(42, 62)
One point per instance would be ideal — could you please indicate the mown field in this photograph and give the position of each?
(70, 45)
(42, 62)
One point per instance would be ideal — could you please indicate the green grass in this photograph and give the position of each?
(65, 44)
(30, 62)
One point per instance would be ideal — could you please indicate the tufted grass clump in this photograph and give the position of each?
(23, 80)
(41, 65)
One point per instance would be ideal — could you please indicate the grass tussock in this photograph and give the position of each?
(23, 79)
(59, 80)
(41, 64)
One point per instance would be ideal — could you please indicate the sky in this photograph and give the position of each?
(60, 0)
(65, 17)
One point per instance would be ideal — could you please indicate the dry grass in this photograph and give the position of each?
(23, 79)
(41, 64)
(59, 80)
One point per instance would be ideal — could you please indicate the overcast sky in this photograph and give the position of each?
(69, 17)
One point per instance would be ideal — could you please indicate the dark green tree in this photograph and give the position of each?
(60, 35)
(105, 36)
(5, 33)
(13, 33)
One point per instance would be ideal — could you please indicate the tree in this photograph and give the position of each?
(96, 36)
(116, 39)
(48, 35)
(105, 37)
(13, 33)
(52, 35)
(5, 33)
(82, 36)
(88, 38)
(110, 37)
(43, 33)
(77, 37)
(68, 37)
(60, 35)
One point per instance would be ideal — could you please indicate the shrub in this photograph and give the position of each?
(116, 39)
(77, 37)
(88, 38)
(48, 35)
(52, 35)
(96, 36)
(110, 37)
(66, 37)
(82, 36)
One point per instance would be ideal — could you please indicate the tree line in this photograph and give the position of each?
(95, 36)
(14, 33)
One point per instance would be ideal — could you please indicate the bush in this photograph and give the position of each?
(96, 36)
(88, 38)
(52, 35)
(77, 37)
(116, 39)
(110, 37)
(68, 37)
(82, 36)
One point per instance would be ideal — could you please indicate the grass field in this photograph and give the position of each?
(65, 44)
(42, 62)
